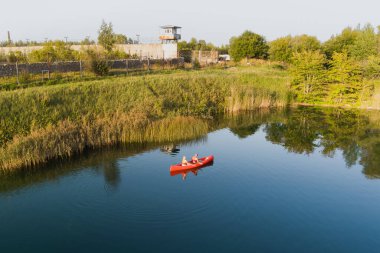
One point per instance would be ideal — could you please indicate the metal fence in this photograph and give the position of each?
(46, 70)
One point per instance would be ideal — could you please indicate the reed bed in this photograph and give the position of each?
(68, 138)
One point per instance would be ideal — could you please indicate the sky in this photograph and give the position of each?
(213, 21)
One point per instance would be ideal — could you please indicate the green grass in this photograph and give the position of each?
(42, 123)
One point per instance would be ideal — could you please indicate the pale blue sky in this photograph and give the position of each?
(214, 21)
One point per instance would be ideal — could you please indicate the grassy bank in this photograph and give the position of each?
(41, 123)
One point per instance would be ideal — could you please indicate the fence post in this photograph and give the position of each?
(18, 80)
(126, 66)
(80, 68)
(148, 64)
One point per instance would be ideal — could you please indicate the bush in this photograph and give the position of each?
(24, 76)
(96, 62)
(99, 67)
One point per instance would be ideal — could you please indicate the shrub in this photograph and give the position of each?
(96, 62)
(24, 76)
(99, 67)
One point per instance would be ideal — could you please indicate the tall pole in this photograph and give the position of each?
(9, 38)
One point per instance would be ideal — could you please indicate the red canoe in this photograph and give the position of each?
(202, 162)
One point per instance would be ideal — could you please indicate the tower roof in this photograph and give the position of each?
(170, 26)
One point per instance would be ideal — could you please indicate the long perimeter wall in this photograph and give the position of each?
(152, 51)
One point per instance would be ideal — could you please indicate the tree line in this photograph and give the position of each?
(341, 70)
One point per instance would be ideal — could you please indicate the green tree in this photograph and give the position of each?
(365, 44)
(46, 54)
(63, 52)
(16, 56)
(53, 51)
(341, 42)
(346, 74)
(371, 67)
(194, 44)
(248, 45)
(308, 75)
(281, 49)
(106, 36)
(305, 43)
(121, 39)
(359, 43)
(87, 41)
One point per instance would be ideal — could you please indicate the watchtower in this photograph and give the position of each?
(170, 34)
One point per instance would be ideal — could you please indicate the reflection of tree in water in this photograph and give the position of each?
(111, 174)
(350, 131)
(304, 130)
(244, 132)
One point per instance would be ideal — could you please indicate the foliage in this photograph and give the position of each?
(53, 51)
(223, 49)
(120, 39)
(106, 36)
(16, 56)
(371, 67)
(365, 44)
(308, 73)
(96, 61)
(344, 69)
(360, 43)
(87, 41)
(194, 44)
(347, 76)
(341, 42)
(248, 45)
(117, 55)
(283, 48)
(305, 43)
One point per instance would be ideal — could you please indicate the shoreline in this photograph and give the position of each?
(43, 123)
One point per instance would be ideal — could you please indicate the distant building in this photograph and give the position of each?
(170, 34)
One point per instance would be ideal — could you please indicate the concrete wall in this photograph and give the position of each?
(153, 51)
(206, 57)
(25, 50)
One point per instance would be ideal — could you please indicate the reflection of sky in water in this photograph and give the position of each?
(266, 192)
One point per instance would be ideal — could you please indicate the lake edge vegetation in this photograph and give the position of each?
(42, 123)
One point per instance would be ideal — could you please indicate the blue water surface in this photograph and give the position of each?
(257, 197)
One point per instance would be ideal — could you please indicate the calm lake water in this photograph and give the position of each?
(301, 180)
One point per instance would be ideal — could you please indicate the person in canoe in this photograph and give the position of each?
(195, 159)
(184, 161)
